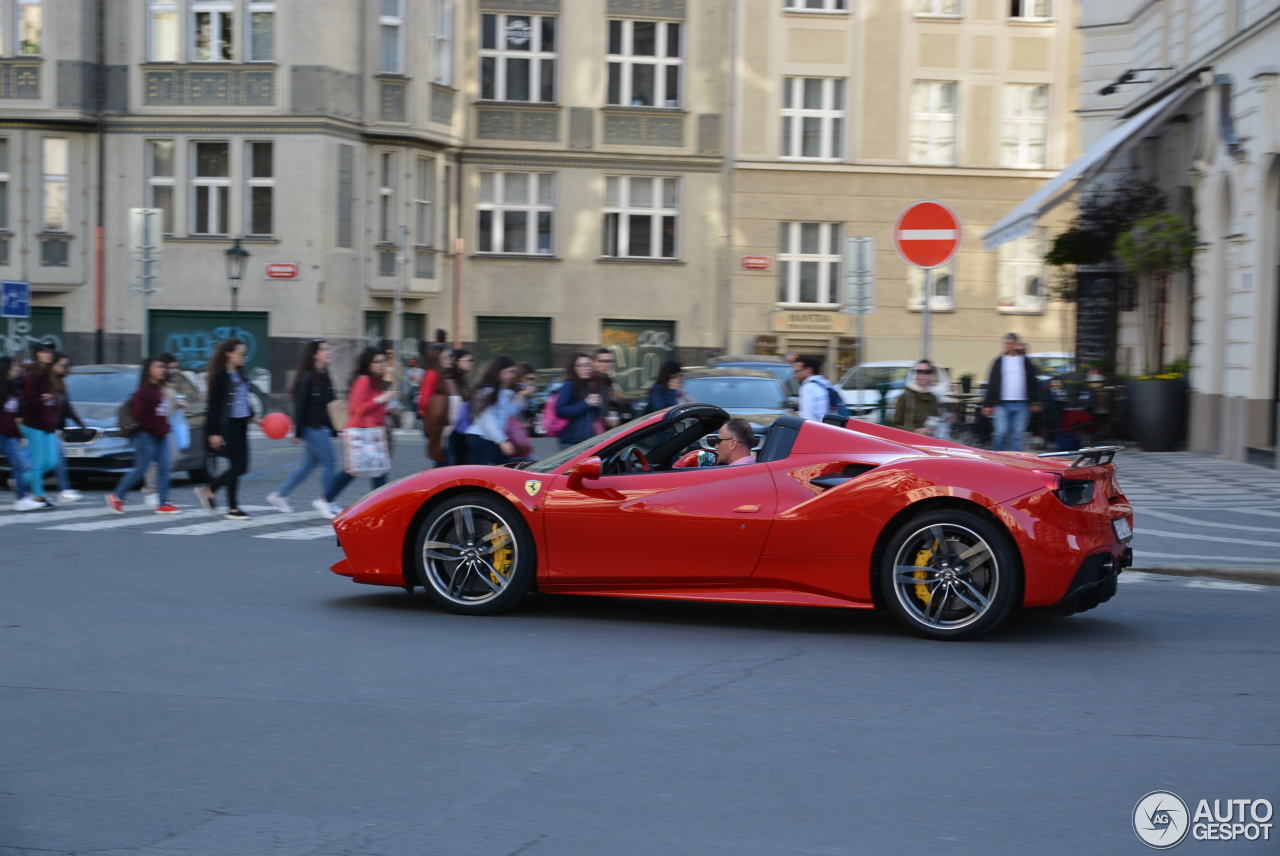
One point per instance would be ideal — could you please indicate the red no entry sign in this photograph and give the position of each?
(927, 234)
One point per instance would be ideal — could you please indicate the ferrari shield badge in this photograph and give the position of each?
(532, 486)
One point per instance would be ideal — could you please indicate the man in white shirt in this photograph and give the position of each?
(815, 403)
(1012, 394)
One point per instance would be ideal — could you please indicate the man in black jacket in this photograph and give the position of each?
(1012, 394)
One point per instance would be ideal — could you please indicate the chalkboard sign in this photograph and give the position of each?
(1096, 310)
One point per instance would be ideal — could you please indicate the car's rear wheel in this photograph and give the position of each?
(474, 555)
(950, 574)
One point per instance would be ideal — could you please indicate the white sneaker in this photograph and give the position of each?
(281, 503)
(70, 496)
(325, 509)
(152, 500)
(27, 503)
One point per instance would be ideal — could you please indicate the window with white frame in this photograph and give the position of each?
(30, 29)
(56, 160)
(261, 37)
(933, 122)
(163, 31)
(517, 57)
(816, 5)
(160, 181)
(212, 30)
(644, 63)
(516, 212)
(1021, 278)
(641, 217)
(944, 292)
(386, 197)
(391, 37)
(1033, 10)
(4, 184)
(442, 55)
(813, 118)
(260, 187)
(424, 224)
(1025, 128)
(941, 8)
(809, 258)
(210, 187)
(218, 31)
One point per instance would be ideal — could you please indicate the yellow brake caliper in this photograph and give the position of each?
(923, 558)
(501, 556)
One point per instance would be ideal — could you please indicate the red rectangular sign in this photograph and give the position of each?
(282, 270)
(757, 262)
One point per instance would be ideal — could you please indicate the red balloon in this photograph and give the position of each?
(276, 425)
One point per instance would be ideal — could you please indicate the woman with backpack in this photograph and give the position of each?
(456, 449)
(439, 398)
(312, 391)
(577, 403)
(41, 411)
(227, 424)
(150, 409)
(492, 406)
(367, 408)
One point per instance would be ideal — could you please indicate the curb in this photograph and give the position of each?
(1257, 576)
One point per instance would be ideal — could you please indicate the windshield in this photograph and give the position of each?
(116, 386)
(866, 377)
(554, 462)
(746, 393)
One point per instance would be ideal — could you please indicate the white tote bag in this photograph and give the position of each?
(365, 452)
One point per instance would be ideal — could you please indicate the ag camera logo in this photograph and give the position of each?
(1160, 820)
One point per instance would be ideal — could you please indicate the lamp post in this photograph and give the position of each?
(236, 257)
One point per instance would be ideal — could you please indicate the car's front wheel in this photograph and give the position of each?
(950, 574)
(474, 555)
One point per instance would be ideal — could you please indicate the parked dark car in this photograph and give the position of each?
(98, 449)
(754, 395)
(776, 366)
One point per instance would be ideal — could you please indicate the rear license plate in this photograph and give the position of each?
(1123, 530)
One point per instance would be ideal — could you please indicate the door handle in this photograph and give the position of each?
(746, 509)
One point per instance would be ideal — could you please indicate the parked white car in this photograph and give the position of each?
(858, 386)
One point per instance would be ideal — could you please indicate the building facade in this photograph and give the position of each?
(846, 112)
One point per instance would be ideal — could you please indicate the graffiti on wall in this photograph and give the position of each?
(638, 354)
(194, 347)
(19, 334)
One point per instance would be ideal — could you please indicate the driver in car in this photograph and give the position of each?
(733, 443)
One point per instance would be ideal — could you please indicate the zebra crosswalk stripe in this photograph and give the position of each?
(120, 522)
(216, 526)
(38, 517)
(305, 534)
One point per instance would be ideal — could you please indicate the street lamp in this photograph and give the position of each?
(236, 257)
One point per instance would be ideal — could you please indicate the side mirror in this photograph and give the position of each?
(588, 469)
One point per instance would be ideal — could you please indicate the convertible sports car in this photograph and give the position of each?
(950, 539)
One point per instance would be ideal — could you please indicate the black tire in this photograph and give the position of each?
(464, 566)
(970, 560)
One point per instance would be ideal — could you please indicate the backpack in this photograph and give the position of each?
(126, 425)
(552, 423)
(835, 404)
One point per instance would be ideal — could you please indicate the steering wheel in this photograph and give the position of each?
(636, 461)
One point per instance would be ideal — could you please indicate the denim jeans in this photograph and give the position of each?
(342, 479)
(1010, 423)
(317, 453)
(11, 448)
(42, 456)
(145, 450)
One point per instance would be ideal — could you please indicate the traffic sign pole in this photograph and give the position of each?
(927, 235)
(928, 299)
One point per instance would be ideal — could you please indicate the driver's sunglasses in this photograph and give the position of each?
(716, 441)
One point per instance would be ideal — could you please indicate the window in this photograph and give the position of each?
(391, 41)
(4, 184)
(442, 56)
(210, 187)
(944, 295)
(809, 263)
(1026, 126)
(262, 32)
(160, 181)
(1036, 10)
(260, 184)
(644, 64)
(346, 233)
(518, 58)
(517, 212)
(386, 197)
(212, 30)
(949, 8)
(30, 27)
(641, 215)
(813, 117)
(1022, 273)
(424, 225)
(162, 31)
(56, 160)
(816, 5)
(933, 122)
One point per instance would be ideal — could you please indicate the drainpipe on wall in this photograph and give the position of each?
(99, 334)
(730, 161)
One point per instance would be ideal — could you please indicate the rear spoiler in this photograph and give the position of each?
(1090, 456)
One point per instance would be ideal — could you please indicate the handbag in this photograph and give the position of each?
(338, 414)
(519, 437)
(365, 452)
(552, 423)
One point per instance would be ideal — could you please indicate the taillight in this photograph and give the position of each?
(1069, 491)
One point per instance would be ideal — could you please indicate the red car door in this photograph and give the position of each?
(684, 525)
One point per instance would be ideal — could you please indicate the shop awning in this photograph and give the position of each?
(1022, 219)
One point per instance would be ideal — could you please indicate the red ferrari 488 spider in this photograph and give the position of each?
(950, 539)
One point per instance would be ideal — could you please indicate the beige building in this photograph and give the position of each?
(844, 113)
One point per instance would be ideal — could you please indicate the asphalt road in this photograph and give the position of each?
(225, 694)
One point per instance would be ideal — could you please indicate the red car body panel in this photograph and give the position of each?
(761, 533)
